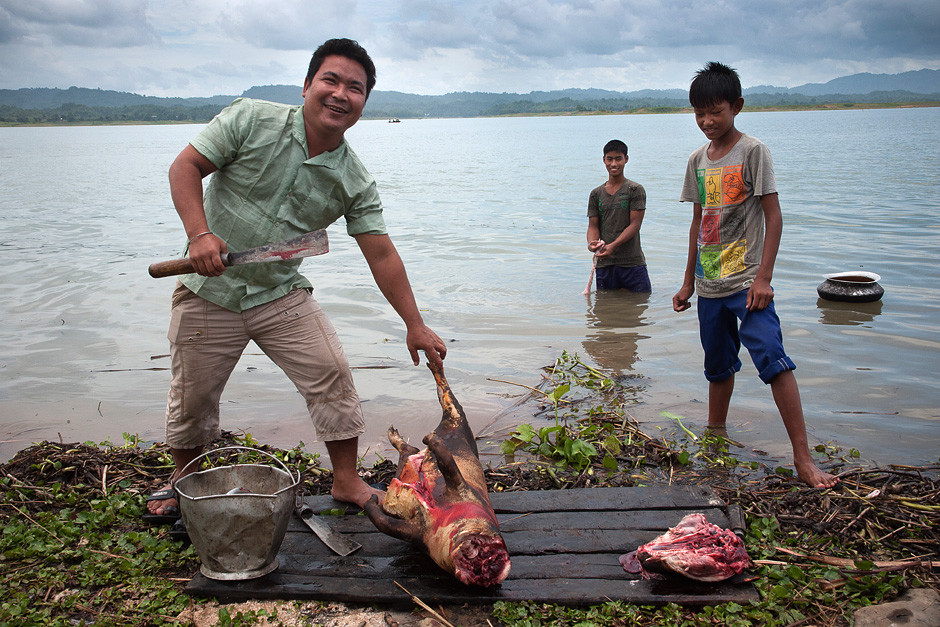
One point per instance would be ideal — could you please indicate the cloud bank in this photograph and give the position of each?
(203, 48)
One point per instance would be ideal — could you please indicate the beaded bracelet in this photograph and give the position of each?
(195, 237)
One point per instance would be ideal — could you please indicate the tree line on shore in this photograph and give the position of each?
(71, 113)
(391, 105)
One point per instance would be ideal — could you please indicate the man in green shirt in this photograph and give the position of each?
(278, 171)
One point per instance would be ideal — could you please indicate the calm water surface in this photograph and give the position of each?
(489, 216)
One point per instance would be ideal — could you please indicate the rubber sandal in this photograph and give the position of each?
(169, 516)
(178, 532)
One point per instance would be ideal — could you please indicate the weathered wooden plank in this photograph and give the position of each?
(583, 566)
(576, 541)
(658, 519)
(539, 534)
(606, 499)
(566, 591)
(545, 542)
(595, 499)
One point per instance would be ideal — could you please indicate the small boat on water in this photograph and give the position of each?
(394, 121)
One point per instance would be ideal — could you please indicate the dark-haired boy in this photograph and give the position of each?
(733, 242)
(615, 213)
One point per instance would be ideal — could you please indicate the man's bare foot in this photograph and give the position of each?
(159, 507)
(355, 491)
(814, 477)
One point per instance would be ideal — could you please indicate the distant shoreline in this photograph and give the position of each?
(836, 106)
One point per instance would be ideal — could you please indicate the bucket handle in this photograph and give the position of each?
(246, 448)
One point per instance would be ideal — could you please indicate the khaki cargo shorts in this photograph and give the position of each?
(206, 342)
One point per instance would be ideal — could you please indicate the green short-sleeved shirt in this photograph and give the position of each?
(267, 190)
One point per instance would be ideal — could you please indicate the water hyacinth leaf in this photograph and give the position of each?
(525, 432)
(559, 392)
(612, 444)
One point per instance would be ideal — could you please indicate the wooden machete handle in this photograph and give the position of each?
(180, 266)
(171, 268)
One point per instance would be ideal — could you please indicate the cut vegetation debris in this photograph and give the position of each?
(74, 550)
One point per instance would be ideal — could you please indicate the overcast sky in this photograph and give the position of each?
(210, 47)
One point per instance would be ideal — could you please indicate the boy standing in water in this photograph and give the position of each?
(733, 242)
(615, 213)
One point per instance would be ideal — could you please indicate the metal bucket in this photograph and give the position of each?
(236, 516)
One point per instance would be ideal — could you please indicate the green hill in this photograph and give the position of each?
(77, 105)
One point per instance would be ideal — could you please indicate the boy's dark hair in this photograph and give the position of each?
(713, 84)
(615, 145)
(344, 48)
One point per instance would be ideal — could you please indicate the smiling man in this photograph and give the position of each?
(277, 171)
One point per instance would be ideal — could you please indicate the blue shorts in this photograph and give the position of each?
(722, 337)
(635, 279)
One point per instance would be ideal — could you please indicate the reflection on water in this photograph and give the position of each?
(497, 267)
(613, 320)
(850, 314)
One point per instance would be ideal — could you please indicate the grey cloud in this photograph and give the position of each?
(430, 24)
(486, 44)
(902, 27)
(511, 33)
(9, 32)
(802, 30)
(293, 25)
(556, 31)
(93, 23)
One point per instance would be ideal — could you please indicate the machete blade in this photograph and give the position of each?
(338, 543)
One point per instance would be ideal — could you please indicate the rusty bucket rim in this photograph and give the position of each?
(292, 486)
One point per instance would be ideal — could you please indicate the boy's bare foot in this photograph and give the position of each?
(814, 477)
(159, 507)
(355, 491)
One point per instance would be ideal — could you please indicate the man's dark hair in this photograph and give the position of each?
(344, 48)
(615, 145)
(713, 84)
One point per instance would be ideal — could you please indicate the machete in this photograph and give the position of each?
(306, 245)
(340, 544)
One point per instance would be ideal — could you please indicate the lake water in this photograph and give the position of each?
(489, 216)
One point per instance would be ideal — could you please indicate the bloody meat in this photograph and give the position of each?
(438, 499)
(695, 548)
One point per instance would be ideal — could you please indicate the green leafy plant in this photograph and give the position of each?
(554, 442)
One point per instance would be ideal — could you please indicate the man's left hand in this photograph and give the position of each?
(424, 339)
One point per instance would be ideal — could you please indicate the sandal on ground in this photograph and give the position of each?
(170, 514)
(178, 532)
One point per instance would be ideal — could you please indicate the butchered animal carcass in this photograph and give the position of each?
(695, 548)
(438, 499)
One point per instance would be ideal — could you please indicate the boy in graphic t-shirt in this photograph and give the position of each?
(733, 242)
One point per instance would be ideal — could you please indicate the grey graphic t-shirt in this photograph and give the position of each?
(731, 233)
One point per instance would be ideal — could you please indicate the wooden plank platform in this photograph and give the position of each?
(564, 545)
